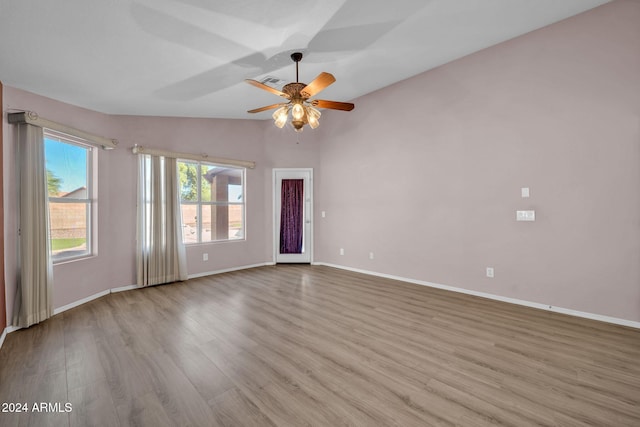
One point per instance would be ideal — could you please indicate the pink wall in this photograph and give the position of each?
(114, 266)
(427, 173)
(77, 280)
(237, 139)
(3, 304)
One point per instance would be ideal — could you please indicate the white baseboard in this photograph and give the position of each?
(92, 297)
(124, 288)
(227, 270)
(3, 336)
(81, 301)
(131, 287)
(6, 331)
(555, 309)
(74, 304)
(540, 306)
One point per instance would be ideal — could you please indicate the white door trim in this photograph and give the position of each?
(308, 219)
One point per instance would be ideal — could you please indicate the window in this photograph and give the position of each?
(70, 165)
(211, 202)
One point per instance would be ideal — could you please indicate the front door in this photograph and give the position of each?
(293, 209)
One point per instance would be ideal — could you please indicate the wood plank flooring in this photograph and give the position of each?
(299, 345)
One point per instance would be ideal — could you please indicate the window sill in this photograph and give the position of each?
(74, 259)
(213, 242)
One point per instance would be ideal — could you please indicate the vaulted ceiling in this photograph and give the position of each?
(190, 57)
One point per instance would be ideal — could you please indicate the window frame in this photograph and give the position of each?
(90, 201)
(200, 203)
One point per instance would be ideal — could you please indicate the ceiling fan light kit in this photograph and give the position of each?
(303, 111)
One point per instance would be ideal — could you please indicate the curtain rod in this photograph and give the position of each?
(32, 118)
(200, 157)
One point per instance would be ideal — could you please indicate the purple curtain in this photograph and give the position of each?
(291, 210)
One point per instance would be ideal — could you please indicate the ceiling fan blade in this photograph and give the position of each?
(268, 107)
(267, 88)
(319, 83)
(334, 105)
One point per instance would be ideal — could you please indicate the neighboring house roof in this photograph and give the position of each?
(78, 193)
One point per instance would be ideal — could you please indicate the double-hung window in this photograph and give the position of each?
(211, 202)
(70, 165)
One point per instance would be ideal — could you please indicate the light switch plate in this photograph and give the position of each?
(525, 192)
(525, 215)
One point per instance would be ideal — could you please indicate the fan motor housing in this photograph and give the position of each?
(293, 89)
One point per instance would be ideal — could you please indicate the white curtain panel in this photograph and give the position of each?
(161, 254)
(33, 301)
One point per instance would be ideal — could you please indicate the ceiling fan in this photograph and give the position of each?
(302, 109)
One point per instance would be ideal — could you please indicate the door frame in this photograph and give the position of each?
(308, 236)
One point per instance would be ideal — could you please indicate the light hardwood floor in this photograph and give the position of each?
(315, 346)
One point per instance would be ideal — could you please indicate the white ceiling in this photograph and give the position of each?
(190, 57)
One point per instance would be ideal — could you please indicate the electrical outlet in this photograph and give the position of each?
(370, 255)
(324, 214)
(341, 251)
(205, 257)
(489, 271)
